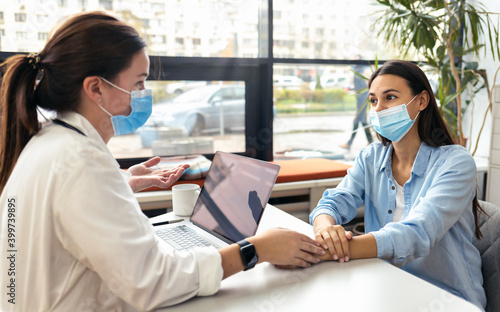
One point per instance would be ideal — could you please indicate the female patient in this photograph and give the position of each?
(81, 241)
(417, 188)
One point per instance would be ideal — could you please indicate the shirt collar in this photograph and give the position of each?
(387, 160)
(82, 124)
(422, 159)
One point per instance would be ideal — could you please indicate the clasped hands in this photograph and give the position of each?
(144, 177)
(332, 238)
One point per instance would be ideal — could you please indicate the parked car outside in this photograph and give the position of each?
(287, 82)
(337, 82)
(200, 110)
(183, 86)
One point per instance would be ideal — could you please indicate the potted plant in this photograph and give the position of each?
(443, 33)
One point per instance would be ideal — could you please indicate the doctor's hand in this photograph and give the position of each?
(144, 177)
(287, 248)
(334, 238)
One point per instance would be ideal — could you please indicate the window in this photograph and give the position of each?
(106, 4)
(82, 4)
(209, 115)
(224, 44)
(158, 7)
(21, 35)
(250, 42)
(179, 26)
(156, 39)
(43, 36)
(20, 17)
(42, 18)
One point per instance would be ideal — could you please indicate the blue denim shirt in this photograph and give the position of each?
(434, 240)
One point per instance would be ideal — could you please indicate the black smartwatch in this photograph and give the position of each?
(249, 256)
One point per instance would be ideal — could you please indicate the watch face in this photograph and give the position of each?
(249, 256)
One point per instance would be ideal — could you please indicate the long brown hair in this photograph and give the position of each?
(431, 126)
(85, 45)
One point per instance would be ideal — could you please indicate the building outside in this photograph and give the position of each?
(320, 29)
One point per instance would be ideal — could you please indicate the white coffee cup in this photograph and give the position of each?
(184, 197)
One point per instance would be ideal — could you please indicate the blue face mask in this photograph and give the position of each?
(393, 123)
(141, 103)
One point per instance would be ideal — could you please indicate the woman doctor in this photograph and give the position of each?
(77, 238)
(418, 190)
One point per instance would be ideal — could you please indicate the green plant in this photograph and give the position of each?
(334, 96)
(443, 33)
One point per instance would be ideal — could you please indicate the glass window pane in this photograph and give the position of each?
(327, 30)
(315, 109)
(218, 28)
(189, 117)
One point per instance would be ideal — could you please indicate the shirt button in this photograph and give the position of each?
(393, 187)
(390, 211)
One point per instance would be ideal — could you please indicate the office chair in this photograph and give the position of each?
(489, 248)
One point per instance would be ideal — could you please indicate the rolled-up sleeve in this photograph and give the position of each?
(209, 270)
(385, 246)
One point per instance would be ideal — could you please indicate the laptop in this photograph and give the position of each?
(230, 204)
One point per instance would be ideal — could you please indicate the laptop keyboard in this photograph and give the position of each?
(182, 237)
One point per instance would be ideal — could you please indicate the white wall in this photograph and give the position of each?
(490, 144)
(475, 114)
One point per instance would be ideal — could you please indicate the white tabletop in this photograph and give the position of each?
(357, 285)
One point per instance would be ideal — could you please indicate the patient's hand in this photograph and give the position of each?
(328, 257)
(332, 237)
(144, 177)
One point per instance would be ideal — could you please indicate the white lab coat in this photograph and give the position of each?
(81, 242)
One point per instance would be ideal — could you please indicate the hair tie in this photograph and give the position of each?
(35, 61)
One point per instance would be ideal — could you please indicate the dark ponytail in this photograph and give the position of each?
(19, 120)
(89, 44)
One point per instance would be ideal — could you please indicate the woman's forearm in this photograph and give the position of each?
(363, 246)
(360, 247)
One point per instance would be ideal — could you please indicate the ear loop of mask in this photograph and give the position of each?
(112, 84)
(102, 107)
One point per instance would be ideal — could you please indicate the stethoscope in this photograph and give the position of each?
(67, 125)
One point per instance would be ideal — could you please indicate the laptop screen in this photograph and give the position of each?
(234, 195)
